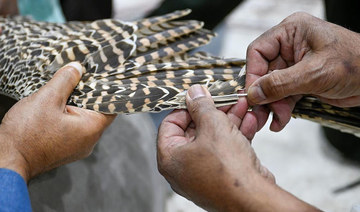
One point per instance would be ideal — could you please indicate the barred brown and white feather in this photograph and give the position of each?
(130, 67)
(142, 66)
(343, 119)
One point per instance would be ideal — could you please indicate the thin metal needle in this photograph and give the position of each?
(230, 96)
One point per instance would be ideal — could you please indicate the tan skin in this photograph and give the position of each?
(303, 55)
(205, 154)
(206, 158)
(41, 132)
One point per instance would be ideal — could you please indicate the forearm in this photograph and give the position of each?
(261, 195)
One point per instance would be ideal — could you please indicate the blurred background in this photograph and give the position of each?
(318, 165)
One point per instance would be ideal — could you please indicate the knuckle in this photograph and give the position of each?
(255, 45)
(251, 46)
(195, 106)
(296, 18)
(216, 122)
(207, 115)
(69, 73)
(202, 106)
(298, 15)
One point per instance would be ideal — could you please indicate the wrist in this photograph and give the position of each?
(11, 158)
(258, 194)
(243, 191)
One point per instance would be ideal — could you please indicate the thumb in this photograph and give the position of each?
(279, 84)
(60, 87)
(201, 107)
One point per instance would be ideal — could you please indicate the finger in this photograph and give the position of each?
(261, 113)
(59, 88)
(178, 119)
(278, 63)
(353, 101)
(172, 129)
(202, 108)
(280, 84)
(249, 125)
(262, 50)
(282, 111)
(237, 112)
(225, 109)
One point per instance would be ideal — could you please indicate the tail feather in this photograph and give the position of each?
(344, 119)
(110, 57)
(161, 19)
(173, 69)
(176, 46)
(168, 29)
(164, 32)
(141, 66)
(109, 30)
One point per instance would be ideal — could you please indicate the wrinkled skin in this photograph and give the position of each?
(41, 132)
(206, 158)
(302, 55)
(205, 154)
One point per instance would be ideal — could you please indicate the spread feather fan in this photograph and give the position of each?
(141, 66)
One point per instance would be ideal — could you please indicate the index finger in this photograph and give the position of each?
(262, 50)
(172, 129)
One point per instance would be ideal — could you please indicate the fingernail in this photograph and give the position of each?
(196, 91)
(78, 67)
(256, 94)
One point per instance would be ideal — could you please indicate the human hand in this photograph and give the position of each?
(303, 55)
(203, 154)
(41, 132)
(205, 158)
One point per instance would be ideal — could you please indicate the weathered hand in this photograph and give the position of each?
(303, 55)
(41, 132)
(205, 158)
